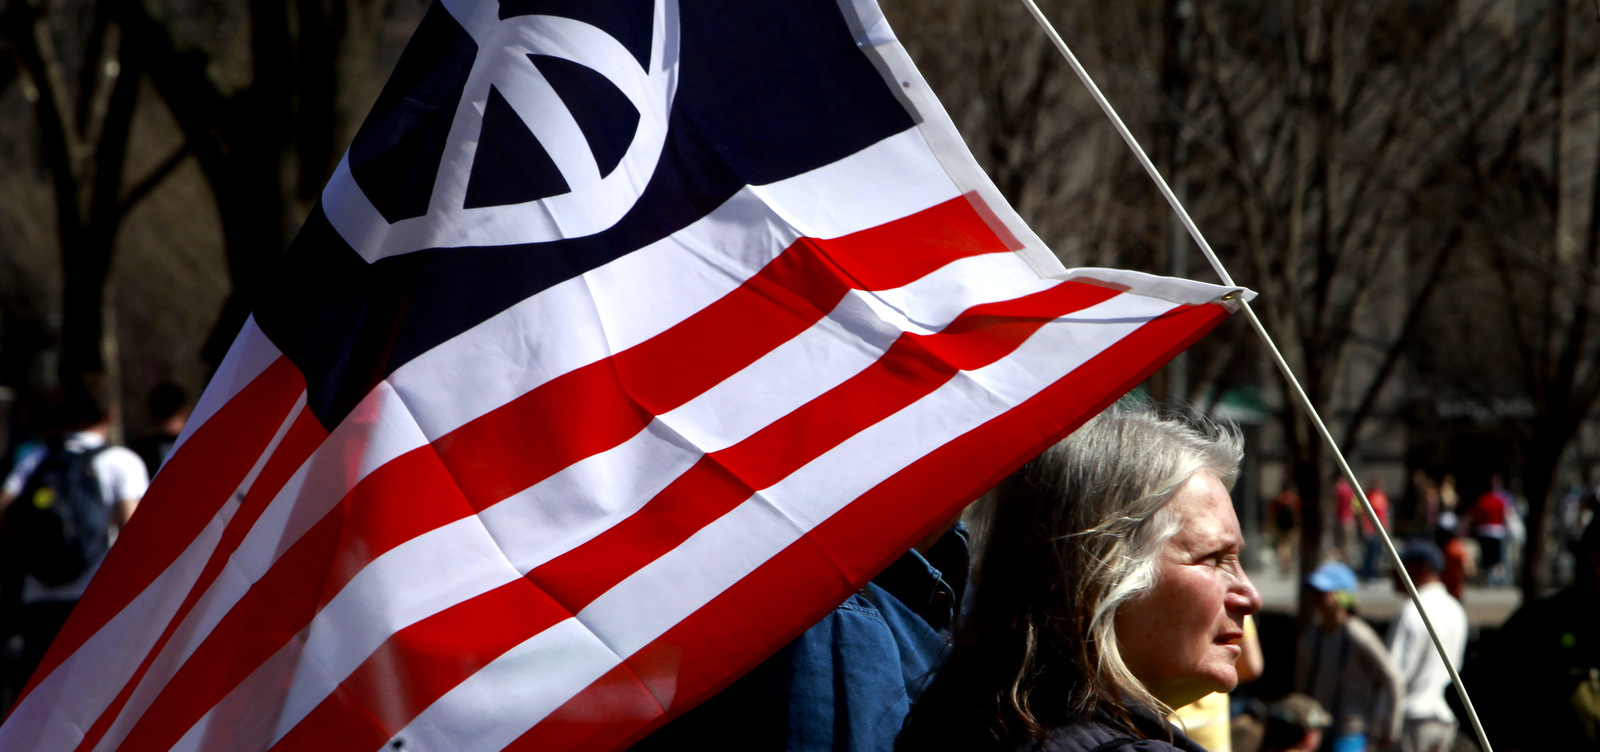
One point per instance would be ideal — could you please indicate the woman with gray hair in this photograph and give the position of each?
(1107, 591)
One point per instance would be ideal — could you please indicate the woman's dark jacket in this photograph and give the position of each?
(1099, 733)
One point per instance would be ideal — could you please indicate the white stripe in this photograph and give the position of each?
(88, 680)
(586, 498)
(377, 431)
(250, 355)
(660, 595)
(896, 177)
(367, 611)
(1172, 289)
(877, 41)
(518, 687)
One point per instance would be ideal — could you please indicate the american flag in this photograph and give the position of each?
(628, 339)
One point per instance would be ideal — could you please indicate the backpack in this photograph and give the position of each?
(60, 524)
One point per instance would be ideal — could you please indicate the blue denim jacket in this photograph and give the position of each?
(847, 682)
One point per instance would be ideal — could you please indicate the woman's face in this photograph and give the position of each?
(1182, 637)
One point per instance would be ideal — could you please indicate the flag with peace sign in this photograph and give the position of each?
(627, 340)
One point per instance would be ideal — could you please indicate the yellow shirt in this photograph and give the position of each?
(1206, 722)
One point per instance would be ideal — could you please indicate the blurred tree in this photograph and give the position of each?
(262, 96)
(1318, 159)
(1052, 153)
(1544, 249)
(1352, 157)
(267, 129)
(1305, 134)
(83, 141)
(1031, 124)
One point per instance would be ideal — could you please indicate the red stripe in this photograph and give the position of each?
(302, 438)
(198, 479)
(282, 603)
(714, 646)
(909, 370)
(577, 415)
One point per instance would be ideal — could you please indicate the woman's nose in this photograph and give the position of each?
(1243, 596)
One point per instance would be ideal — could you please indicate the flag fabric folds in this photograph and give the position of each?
(627, 340)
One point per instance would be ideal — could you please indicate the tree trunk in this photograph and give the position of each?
(1538, 483)
(1316, 515)
(252, 212)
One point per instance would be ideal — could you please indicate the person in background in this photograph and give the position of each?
(39, 423)
(1343, 664)
(87, 417)
(1285, 513)
(1429, 725)
(169, 410)
(1344, 508)
(1488, 518)
(1371, 539)
(1108, 590)
(1425, 498)
(1449, 502)
(1294, 724)
(1458, 567)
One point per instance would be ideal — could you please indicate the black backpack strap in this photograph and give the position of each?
(1107, 746)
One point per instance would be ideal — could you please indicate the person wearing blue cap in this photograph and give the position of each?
(1342, 663)
(1430, 725)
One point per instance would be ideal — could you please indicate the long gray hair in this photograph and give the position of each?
(1062, 544)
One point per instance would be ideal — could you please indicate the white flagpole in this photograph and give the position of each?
(1277, 357)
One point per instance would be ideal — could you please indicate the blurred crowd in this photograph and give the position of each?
(1535, 679)
(1483, 539)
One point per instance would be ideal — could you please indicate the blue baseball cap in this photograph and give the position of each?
(1422, 552)
(1333, 577)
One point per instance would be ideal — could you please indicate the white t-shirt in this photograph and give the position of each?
(122, 478)
(1422, 674)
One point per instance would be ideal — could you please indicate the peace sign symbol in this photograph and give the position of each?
(558, 130)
